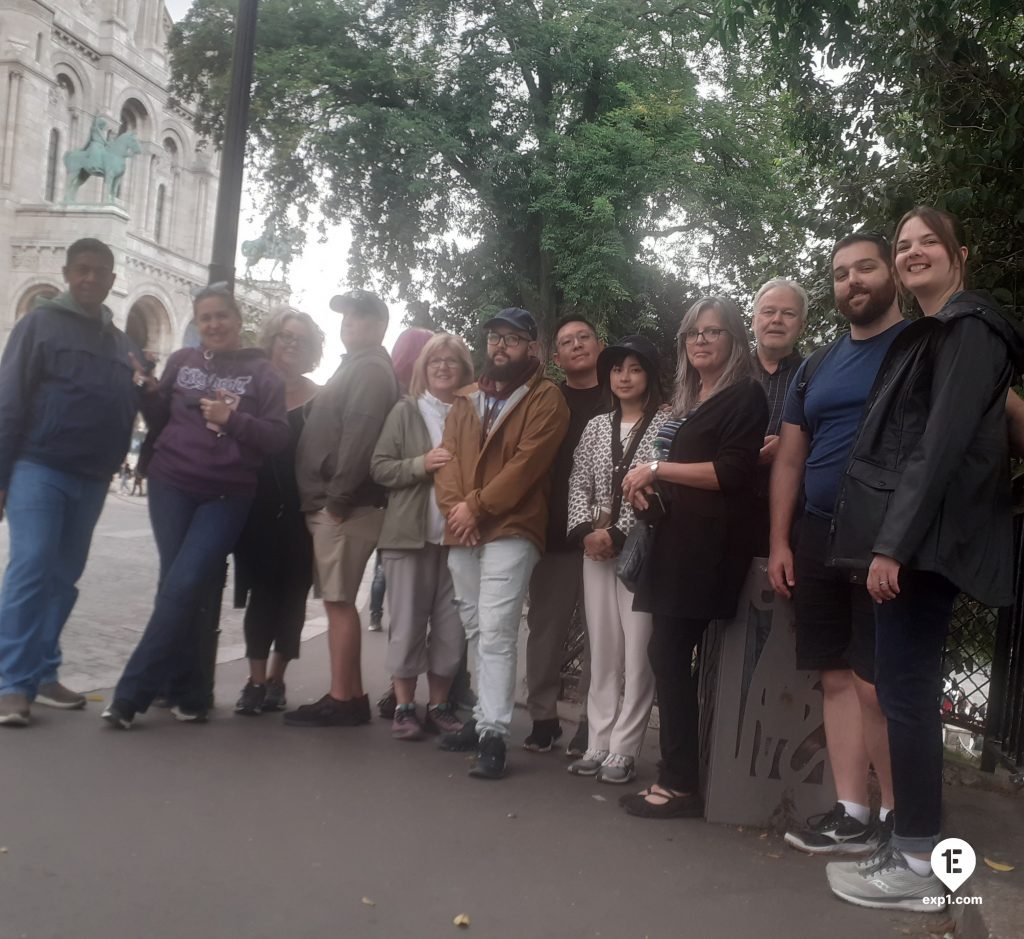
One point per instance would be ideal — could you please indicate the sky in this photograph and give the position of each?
(314, 277)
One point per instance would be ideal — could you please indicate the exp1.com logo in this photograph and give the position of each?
(953, 862)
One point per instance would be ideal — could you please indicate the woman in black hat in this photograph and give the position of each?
(600, 519)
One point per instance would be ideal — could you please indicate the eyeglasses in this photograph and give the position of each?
(292, 339)
(508, 340)
(219, 288)
(708, 334)
(567, 342)
(435, 364)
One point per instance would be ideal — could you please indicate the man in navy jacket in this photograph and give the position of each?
(67, 404)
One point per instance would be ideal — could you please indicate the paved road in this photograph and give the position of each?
(246, 828)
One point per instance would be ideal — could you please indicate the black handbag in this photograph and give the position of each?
(630, 563)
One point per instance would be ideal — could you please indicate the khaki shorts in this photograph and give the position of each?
(341, 551)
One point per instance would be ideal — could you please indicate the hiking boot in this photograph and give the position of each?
(119, 714)
(589, 763)
(578, 745)
(275, 699)
(543, 736)
(886, 882)
(327, 712)
(489, 762)
(834, 832)
(617, 769)
(461, 741)
(442, 719)
(387, 703)
(376, 622)
(14, 710)
(188, 715)
(54, 695)
(252, 699)
(406, 725)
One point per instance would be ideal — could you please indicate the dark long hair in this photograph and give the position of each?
(655, 389)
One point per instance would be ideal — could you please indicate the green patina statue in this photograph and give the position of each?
(101, 156)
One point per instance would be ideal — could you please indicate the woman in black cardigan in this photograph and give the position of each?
(702, 546)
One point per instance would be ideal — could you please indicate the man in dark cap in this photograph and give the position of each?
(343, 506)
(504, 436)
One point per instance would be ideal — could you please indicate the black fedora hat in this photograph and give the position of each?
(639, 346)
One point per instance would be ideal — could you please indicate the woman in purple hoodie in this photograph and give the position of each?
(222, 411)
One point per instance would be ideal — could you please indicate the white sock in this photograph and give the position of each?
(919, 866)
(883, 813)
(855, 810)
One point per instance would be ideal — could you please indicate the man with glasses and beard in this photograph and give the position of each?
(835, 624)
(503, 436)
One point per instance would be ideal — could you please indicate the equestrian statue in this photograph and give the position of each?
(279, 248)
(101, 156)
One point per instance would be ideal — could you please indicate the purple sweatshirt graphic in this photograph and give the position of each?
(190, 456)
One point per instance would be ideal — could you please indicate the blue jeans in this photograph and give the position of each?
(51, 515)
(909, 640)
(490, 586)
(194, 534)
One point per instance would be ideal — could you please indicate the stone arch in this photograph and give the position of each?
(150, 325)
(82, 91)
(32, 295)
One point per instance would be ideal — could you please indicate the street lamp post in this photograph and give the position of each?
(232, 164)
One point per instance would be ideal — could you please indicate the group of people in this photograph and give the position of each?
(873, 475)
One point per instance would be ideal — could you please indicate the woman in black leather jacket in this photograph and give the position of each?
(925, 507)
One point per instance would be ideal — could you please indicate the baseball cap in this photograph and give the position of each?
(357, 300)
(517, 319)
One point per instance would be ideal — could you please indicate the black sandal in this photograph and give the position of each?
(676, 805)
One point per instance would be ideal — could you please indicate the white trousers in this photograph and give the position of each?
(490, 587)
(621, 680)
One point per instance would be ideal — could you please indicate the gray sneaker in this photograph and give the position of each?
(589, 763)
(617, 769)
(885, 882)
(14, 710)
(54, 695)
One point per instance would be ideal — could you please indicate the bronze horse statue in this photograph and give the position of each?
(100, 157)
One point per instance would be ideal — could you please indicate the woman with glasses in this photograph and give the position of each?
(274, 556)
(700, 487)
(420, 592)
(217, 411)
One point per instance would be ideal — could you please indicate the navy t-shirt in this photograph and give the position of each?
(830, 408)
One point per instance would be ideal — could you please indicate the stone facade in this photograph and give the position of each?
(63, 63)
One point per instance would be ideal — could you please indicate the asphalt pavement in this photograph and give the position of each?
(246, 828)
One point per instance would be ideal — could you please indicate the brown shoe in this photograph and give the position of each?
(54, 695)
(14, 710)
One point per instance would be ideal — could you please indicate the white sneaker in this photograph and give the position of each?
(886, 882)
(589, 763)
(617, 769)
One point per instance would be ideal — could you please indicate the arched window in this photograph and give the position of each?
(52, 156)
(158, 216)
(32, 296)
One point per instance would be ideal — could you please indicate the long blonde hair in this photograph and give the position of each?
(737, 367)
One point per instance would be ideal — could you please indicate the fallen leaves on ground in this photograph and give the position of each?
(368, 902)
(462, 921)
(999, 865)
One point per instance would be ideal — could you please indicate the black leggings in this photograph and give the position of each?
(275, 616)
(673, 642)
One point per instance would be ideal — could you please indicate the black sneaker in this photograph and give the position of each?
(119, 714)
(376, 622)
(387, 703)
(361, 709)
(252, 699)
(543, 736)
(327, 712)
(578, 745)
(461, 742)
(489, 762)
(883, 830)
(275, 699)
(834, 832)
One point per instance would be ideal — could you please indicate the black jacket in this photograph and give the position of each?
(928, 481)
(703, 546)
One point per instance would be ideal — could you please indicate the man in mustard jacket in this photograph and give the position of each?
(503, 434)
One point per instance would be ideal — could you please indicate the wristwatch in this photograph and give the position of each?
(654, 469)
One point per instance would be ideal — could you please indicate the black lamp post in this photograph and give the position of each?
(232, 163)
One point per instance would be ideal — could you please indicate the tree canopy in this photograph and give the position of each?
(621, 157)
(522, 152)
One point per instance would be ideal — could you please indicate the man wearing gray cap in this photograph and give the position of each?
(503, 436)
(343, 506)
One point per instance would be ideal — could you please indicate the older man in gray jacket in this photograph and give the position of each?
(343, 505)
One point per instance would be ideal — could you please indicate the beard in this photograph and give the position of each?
(504, 372)
(878, 304)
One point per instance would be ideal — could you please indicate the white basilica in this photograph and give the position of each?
(63, 64)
